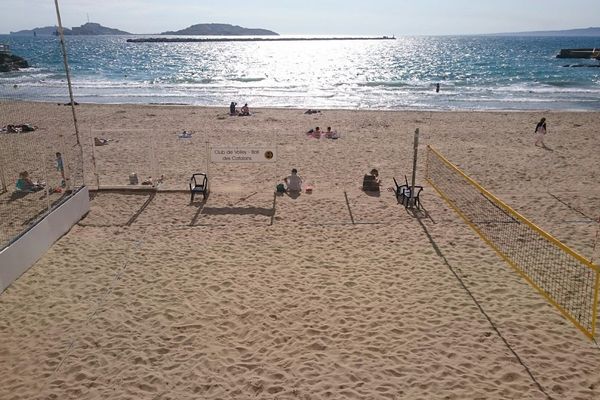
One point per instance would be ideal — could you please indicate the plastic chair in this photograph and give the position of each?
(199, 185)
(403, 193)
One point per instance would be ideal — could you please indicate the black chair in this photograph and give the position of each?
(403, 193)
(199, 185)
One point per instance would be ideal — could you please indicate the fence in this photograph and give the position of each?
(31, 135)
(566, 279)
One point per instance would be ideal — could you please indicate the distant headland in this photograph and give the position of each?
(593, 32)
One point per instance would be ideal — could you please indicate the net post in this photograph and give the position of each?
(94, 159)
(2, 177)
(207, 145)
(595, 305)
(411, 202)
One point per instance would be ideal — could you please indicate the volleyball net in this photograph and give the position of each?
(566, 279)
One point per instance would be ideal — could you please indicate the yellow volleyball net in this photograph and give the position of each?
(566, 279)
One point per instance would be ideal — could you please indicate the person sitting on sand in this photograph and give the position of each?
(371, 181)
(317, 133)
(293, 182)
(245, 111)
(232, 110)
(25, 184)
(329, 134)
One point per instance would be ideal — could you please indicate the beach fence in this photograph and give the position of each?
(566, 279)
(31, 135)
(132, 159)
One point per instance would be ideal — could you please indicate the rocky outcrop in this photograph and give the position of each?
(9, 62)
(92, 28)
(221, 30)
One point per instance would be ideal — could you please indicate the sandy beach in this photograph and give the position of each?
(331, 295)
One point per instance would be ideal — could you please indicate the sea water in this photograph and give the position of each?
(474, 73)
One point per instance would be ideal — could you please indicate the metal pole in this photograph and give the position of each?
(66, 63)
(2, 177)
(94, 159)
(411, 201)
(207, 156)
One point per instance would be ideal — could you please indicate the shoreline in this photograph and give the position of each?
(225, 106)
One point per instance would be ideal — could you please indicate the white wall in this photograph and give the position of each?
(25, 251)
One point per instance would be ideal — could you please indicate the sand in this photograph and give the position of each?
(334, 294)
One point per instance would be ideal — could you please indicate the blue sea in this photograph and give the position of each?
(474, 73)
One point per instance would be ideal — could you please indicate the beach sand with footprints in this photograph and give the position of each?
(330, 295)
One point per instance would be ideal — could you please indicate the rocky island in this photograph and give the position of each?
(90, 28)
(221, 30)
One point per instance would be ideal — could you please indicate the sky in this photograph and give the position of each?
(325, 17)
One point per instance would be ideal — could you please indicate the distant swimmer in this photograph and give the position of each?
(437, 87)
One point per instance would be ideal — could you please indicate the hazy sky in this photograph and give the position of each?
(368, 17)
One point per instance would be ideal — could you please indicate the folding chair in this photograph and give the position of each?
(199, 185)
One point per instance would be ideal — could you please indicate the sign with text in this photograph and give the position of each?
(243, 154)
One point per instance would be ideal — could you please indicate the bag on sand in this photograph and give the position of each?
(280, 188)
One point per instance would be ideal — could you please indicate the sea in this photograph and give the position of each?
(474, 73)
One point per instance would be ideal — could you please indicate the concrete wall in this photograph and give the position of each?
(25, 251)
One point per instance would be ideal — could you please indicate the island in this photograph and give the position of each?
(90, 29)
(221, 30)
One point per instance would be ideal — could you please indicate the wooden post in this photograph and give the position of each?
(411, 201)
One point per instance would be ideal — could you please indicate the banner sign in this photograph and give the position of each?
(243, 154)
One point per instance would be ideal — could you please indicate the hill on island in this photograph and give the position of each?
(221, 30)
(90, 28)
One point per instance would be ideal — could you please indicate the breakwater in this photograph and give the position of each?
(579, 53)
(253, 39)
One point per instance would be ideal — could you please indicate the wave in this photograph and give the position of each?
(385, 83)
(248, 79)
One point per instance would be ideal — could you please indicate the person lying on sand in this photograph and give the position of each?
(19, 128)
